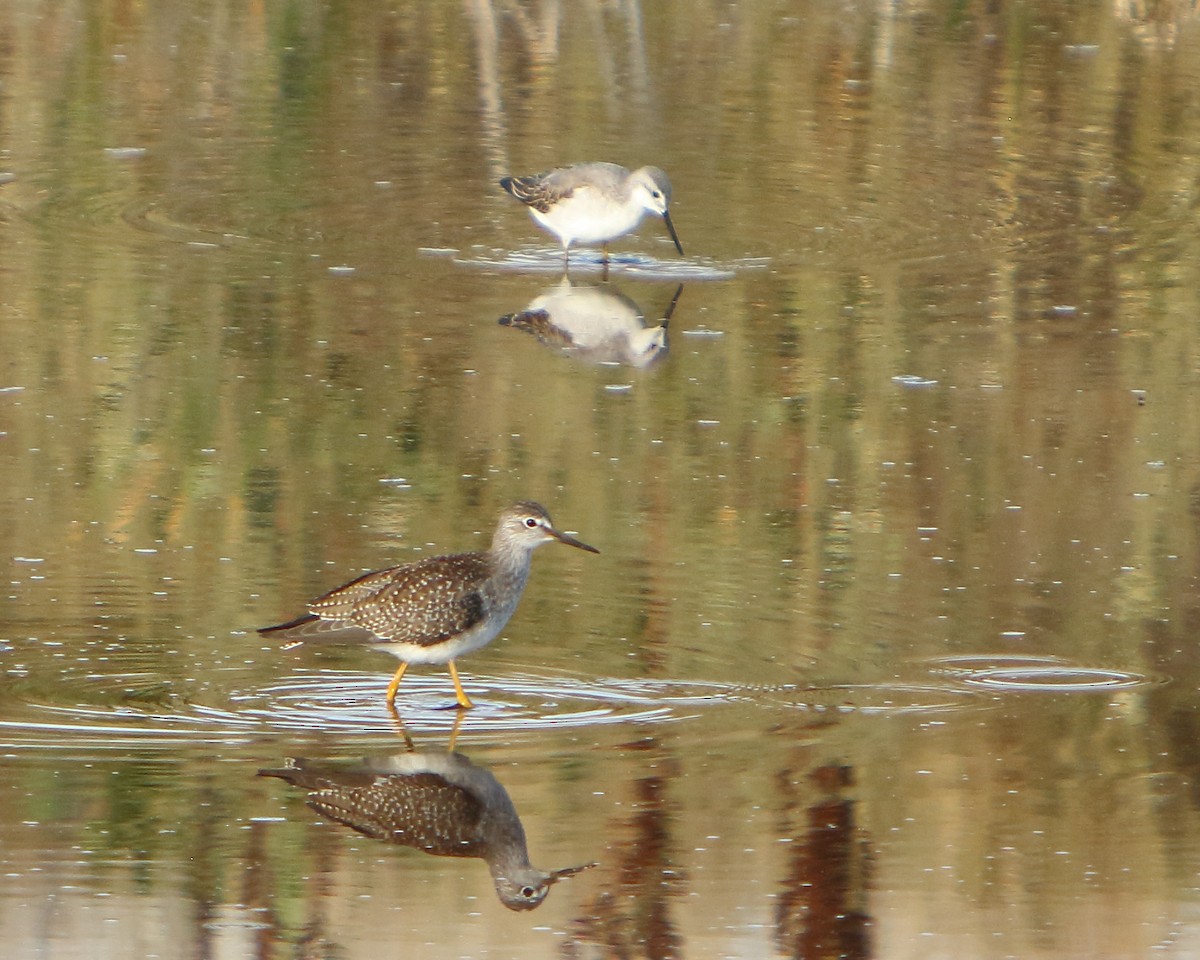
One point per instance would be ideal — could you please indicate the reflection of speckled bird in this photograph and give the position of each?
(437, 609)
(593, 322)
(437, 802)
(594, 202)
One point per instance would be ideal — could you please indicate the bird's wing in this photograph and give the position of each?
(540, 191)
(543, 190)
(421, 603)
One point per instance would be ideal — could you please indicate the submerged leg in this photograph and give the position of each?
(463, 700)
(395, 684)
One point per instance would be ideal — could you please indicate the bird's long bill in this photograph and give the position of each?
(556, 875)
(571, 541)
(671, 230)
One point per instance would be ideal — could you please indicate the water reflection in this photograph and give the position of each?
(822, 910)
(952, 418)
(594, 322)
(616, 45)
(437, 801)
(1153, 23)
(632, 916)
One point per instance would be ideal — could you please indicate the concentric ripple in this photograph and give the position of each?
(332, 700)
(878, 698)
(341, 703)
(1044, 674)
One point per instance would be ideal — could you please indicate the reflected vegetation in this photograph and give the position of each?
(823, 908)
(633, 915)
(438, 802)
(595, 323)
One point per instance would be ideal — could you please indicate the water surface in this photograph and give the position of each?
(890, 648)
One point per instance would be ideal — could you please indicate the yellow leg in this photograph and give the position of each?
(395, 684)
(401, 730)
(463, 700)
(458, 718)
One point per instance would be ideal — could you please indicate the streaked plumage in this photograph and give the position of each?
(440, 803)
(436, 609)
(594, 202)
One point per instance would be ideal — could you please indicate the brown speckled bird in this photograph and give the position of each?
(437, 609)
(441, 803)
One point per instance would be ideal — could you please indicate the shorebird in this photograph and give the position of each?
(594, 202)
(437, 609)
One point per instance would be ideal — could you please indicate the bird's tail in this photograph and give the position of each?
(313, 629)
(294, 631)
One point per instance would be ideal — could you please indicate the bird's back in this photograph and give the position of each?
(542, 190)
(421, 603)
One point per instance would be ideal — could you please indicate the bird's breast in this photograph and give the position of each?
(590, 216)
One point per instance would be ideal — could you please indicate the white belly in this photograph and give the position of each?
(589, 216)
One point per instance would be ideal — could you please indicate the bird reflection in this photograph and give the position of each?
(594, 322)
(435, 801)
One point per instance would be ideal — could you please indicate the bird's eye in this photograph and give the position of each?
(530, 522)
(528, 892)
(656, 195)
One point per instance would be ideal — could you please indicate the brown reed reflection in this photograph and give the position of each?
(257, 886)
(631, 916)
(596, 323)
(438, 802)
(821, 911)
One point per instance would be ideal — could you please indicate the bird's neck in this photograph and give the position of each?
(510, 561)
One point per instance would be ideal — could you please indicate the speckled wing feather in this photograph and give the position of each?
(420, 810)
(422, 603)
(540, 191)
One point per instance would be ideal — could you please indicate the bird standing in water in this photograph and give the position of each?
(594, 202)
(437, 609)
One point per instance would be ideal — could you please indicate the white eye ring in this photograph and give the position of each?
(530, 522)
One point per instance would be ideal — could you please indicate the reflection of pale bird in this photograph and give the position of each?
(437, 802)
(437, 609)
(594, 202)
(593, 322)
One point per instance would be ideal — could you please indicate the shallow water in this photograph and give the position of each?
(890, 648)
